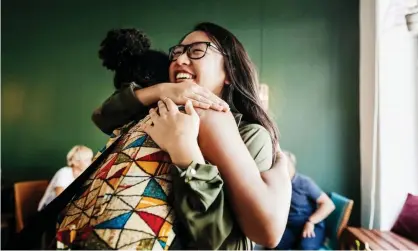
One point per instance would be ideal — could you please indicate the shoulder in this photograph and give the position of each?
(223, 127)
(64, 172)
(259, 144)
(253, 131)
(256, 136)
(211, 116)
(306, 181)
(301, 178)
(63, 177)
(216, 122)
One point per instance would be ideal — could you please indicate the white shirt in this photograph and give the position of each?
(63, 178)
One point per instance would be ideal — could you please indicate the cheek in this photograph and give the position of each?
(216, 73)
(171, 73)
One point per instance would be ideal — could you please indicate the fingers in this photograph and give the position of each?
(153, 115)
(162, 108)
(202, 105)
(218, 107)
(205, 105)
(308, 234)
(200, 101)
(215, 99)
(206, 97)
(199, 104)
(171, 106)
(149, 125)
(147, 128)
(189, 109)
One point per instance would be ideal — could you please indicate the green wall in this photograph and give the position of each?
(307, 52)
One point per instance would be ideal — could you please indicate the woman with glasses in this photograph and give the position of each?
(212, 58)
(141, 80)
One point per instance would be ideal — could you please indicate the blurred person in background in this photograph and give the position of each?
(78, 159)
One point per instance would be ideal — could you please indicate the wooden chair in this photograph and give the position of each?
(27, 197)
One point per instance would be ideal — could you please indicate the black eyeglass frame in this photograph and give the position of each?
(187, 47)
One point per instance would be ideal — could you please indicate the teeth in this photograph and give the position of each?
(183, 75)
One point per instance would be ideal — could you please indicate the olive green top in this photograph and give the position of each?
(200, 200)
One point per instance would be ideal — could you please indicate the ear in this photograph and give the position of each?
(227, 82)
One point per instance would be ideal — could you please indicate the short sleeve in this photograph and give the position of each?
(259, 144)
(312, 189)
(64, 177)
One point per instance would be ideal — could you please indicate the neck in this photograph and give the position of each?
(76, 171)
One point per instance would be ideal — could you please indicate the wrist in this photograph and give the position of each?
(149, 95)
(182, 154)
(162, 90)
(310, 221)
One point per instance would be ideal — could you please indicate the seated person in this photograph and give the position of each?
(78, 159)
(305, 229)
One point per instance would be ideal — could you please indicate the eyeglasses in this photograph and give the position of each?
(195, 50)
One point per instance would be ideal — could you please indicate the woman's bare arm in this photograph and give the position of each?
(261, 201)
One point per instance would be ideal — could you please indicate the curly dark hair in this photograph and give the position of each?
(128, 53)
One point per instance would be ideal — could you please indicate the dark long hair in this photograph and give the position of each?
(242, 91)
(128, 53)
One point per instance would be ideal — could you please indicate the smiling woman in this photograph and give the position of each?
(163, 156)
(207, 67)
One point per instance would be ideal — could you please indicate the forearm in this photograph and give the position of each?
(264, 216)
(124, 105)
(261, 205)
(265, 198)
(150, 95)
(183, 155)
(322, 212)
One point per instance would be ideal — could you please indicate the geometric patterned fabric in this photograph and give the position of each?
(124, 204)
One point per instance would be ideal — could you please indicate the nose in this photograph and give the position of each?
(183, 59)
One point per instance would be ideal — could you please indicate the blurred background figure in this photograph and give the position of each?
(78, 159)
(309, 207)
